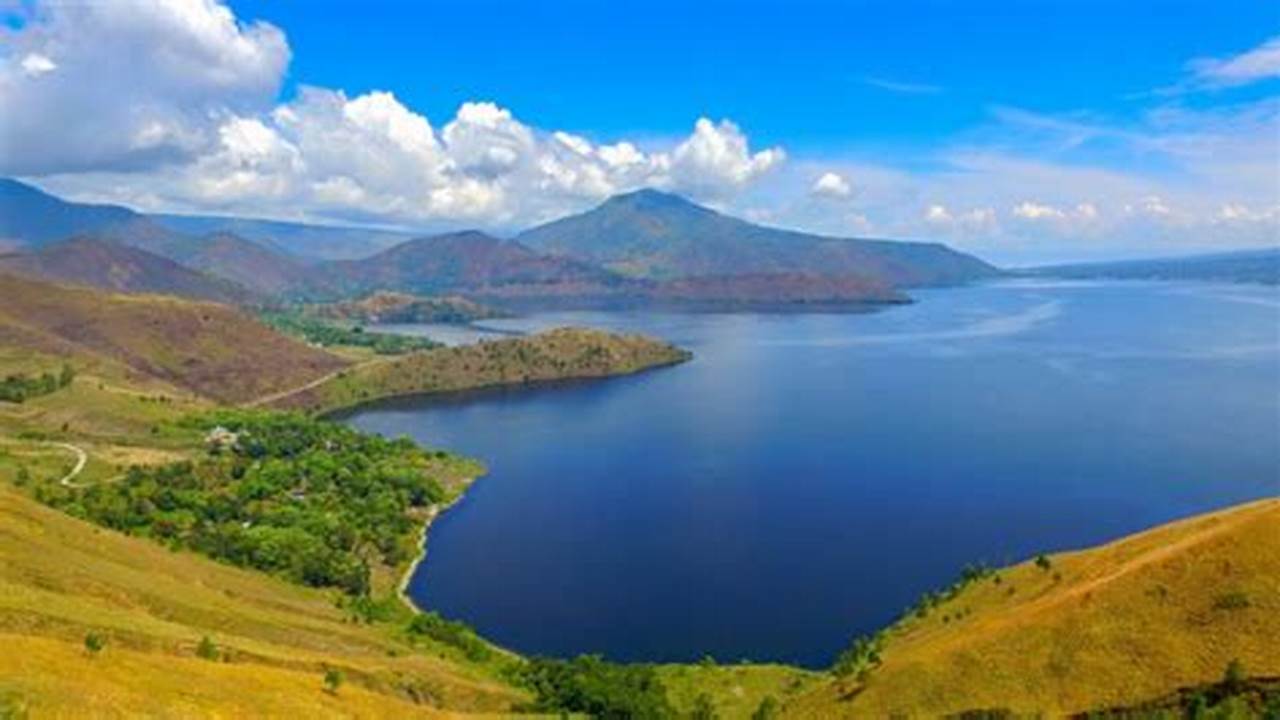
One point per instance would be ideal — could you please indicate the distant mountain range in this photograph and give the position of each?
(640, 248)
(1247, 266)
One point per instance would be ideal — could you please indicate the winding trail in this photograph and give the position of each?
(82, 458)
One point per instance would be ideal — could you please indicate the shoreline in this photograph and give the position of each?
(402, 587)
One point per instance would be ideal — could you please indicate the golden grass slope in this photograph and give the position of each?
(210, 349)
(62, 578)
(1108, 626)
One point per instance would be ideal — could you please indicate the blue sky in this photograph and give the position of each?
(799, 73)
(1026, 131)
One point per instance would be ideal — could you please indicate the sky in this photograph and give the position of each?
(1026, 132)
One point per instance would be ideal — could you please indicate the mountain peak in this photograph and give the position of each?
(649, 199)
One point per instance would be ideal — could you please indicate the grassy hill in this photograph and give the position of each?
(62, 579)
(212, 350)
(1110, 626)
(563, 354)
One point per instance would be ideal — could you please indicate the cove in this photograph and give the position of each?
(806, 477)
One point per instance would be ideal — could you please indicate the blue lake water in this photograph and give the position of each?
(806, 477)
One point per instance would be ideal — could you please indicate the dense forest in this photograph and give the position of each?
(313, 501)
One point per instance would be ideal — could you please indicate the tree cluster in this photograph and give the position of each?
(313, 501)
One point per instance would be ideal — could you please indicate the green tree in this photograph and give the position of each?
(1043, 562)
(94, 643)
(332, 680)
(1233, 677)
(207, 649)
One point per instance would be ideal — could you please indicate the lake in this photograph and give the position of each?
(806, 477)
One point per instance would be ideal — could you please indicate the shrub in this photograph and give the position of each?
(704, 708)
(862, 654)
(207, 649)
(1043, 562)
(94, 643)
(588, 684)
(450, 632)
(1234, 600)
(332, 680)
(1233, 677)
(768, 709)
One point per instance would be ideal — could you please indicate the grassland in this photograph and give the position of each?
(566, 353)
(63, 578)
(1110, 626)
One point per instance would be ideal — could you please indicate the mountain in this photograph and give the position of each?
(92, 261)
(213, 350)
(470, 261)
(1244, 266)
(650, 234)
(301, 240)
(30, 217)
(258, 268)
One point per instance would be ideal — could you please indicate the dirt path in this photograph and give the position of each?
(82, 458)
(274, 397)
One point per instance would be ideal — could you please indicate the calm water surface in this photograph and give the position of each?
(808, 476)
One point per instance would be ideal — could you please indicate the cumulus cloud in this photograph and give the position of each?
(831, 185)
(715, 159)
(155, 77)
(184, 98)
(1260, 63)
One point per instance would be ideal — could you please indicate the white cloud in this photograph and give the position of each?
(831, 185)
(1036, 211)
(715, 160)
(35, 64)
(155, 78)
(1260, 63)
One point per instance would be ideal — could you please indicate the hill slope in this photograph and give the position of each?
(657, 235)
(1109, 626)
(246, 263)
(91, 261)
(62, 578)
(211, 349)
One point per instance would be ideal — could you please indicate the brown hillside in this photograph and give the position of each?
(120, 268)
(211, 349)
